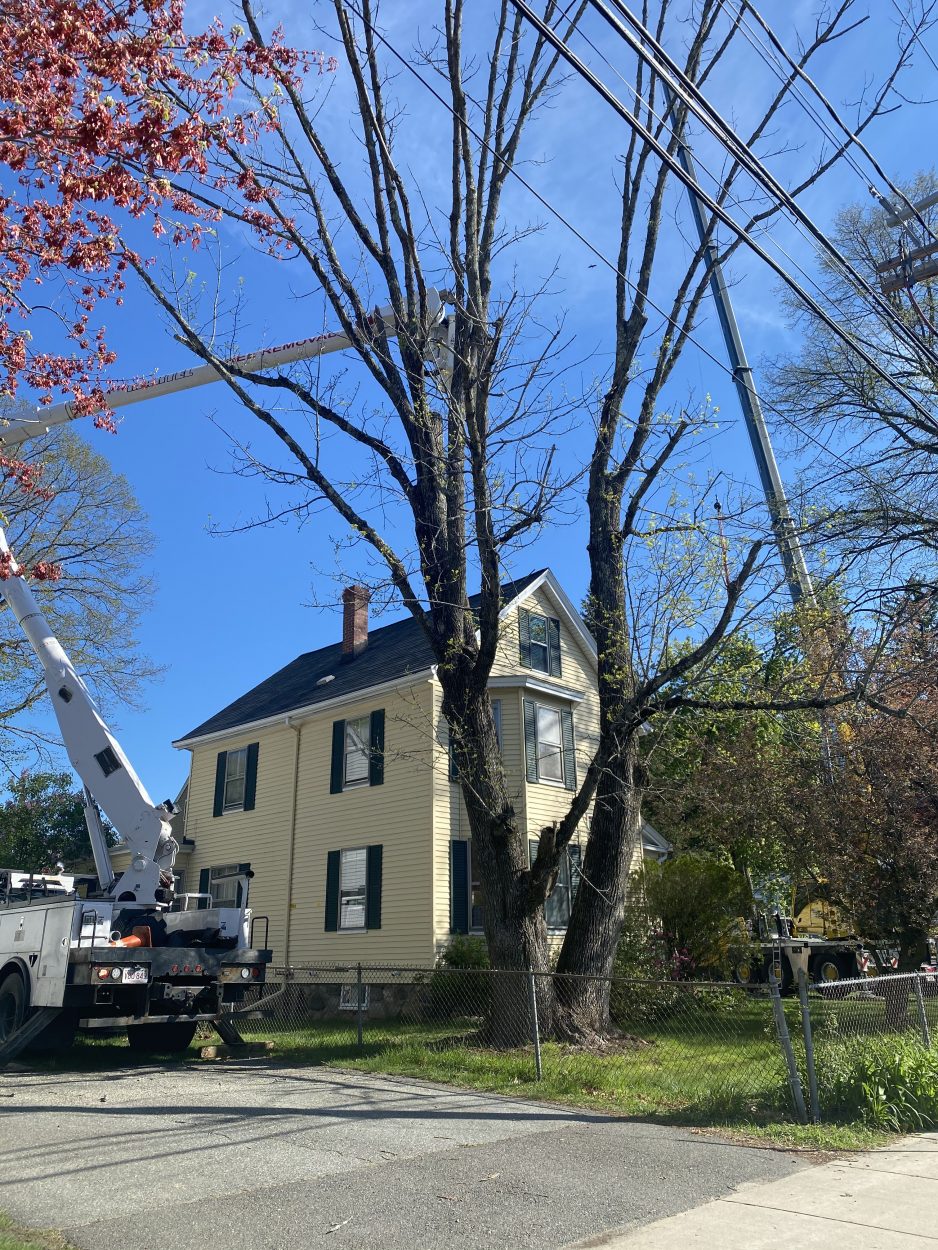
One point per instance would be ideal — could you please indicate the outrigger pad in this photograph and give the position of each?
(227, 1030)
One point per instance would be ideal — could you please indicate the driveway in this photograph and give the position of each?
(259, 1157)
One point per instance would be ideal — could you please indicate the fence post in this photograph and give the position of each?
(359, 1010)
(808, 1045)
(535, 1031)
(781, 1025)
(923, 1018)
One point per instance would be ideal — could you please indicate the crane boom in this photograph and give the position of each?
(29, 423)
(97, 758)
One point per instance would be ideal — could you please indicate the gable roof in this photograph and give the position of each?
(394, 652)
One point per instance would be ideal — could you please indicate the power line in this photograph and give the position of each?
(693, 99)
(601, 256)
(712, 205)
(727, 196)
(773, 63)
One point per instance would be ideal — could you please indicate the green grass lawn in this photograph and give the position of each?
(13, 1237)
(701, 1068)
(717, 1067)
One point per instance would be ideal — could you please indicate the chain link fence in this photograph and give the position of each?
(694, 1048)
(873, 1032)
(900, 1004)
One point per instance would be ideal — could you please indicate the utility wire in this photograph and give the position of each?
(693, 99)
(714, 207)
(600, 255)
(728, 198)
(772, 62)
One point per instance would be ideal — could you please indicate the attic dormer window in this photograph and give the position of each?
(539, 637)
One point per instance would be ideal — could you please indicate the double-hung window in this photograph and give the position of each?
(235, 775)
(549, 745)
(559, 903)
(539, 638)
(475, 891)
(357, 752)
(353, 872)
(353, 889)
(236, 780)
(549, 749)
(227, 884)
(465, 888)
(540, 654)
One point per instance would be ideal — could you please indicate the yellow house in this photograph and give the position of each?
(325, 795)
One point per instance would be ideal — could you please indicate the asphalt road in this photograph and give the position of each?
(263, 1157)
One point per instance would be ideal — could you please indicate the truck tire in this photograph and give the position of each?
(746, 972)
(829, 968)
(12, 1004)
(162, 1038)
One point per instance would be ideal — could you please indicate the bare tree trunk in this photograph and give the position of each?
(582, 1008)
(515, 928)
(599, 907)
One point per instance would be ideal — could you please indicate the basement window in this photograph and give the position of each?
(348, 997)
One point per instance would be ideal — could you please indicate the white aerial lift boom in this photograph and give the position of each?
(127, 955)
(30, 423)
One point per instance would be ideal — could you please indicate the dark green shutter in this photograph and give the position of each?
(337, 775)
(332, 892)
(553, 647)
(221, 765)
(524, 636)
(376, 763)
(453, 766)
(459, 887)
(373, 887)
(204, 878)
(250, 778)
(576, 858)
(569, 750)
(530, 739)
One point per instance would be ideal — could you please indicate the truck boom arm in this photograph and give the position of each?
(24, 423)
(98, 760)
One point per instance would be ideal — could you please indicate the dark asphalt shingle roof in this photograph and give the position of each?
(393, 651)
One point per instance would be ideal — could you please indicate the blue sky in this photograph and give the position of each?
(231, 609)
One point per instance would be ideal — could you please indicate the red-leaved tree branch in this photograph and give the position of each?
(104, 107)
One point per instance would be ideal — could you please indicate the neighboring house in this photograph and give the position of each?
(326, 794)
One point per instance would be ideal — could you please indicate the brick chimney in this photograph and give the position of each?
(354, 620)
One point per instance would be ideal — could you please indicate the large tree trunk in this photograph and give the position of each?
(589, 946)
(515, 929)
(586, 959)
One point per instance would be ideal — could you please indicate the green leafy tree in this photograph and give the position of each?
(738, 783)
(874, 831)
(42, 823)
(700, 900)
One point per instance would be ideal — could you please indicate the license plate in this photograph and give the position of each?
(134, 976)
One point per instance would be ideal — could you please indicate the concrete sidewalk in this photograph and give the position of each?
(884, 1200)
